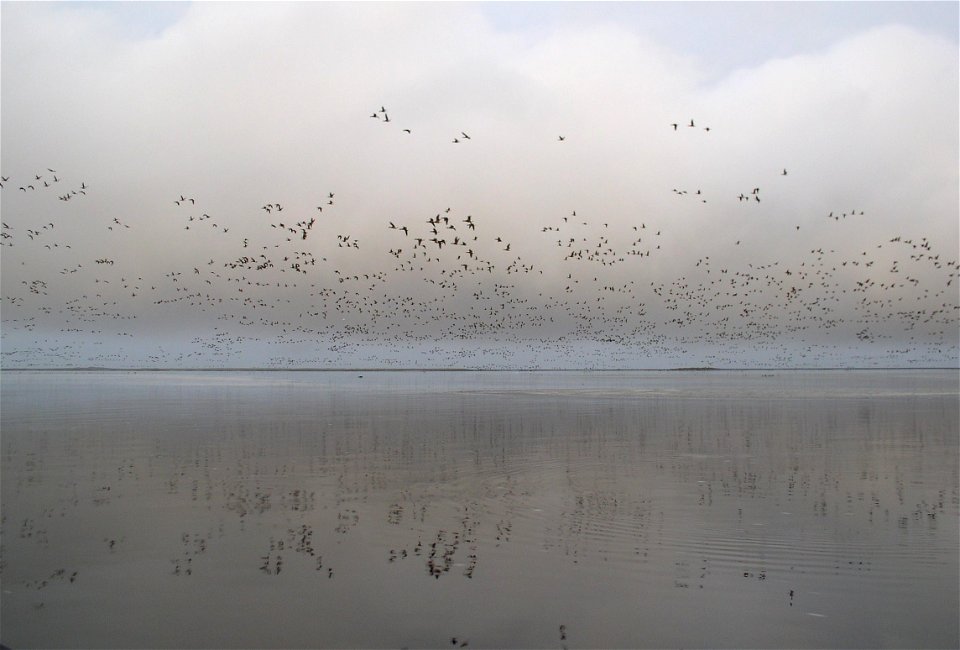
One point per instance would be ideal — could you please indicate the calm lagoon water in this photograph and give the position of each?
(499, 509)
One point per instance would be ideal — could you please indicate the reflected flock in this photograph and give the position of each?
(497, 509)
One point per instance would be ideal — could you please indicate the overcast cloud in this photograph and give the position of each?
(673, 260)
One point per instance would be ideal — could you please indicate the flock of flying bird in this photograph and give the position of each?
(453, 291)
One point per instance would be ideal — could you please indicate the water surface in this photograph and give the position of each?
(406, 509)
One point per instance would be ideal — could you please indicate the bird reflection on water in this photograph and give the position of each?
(310, 493)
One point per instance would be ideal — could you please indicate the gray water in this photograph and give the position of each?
(501, 509)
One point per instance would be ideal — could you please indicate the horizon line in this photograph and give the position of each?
(454, 369)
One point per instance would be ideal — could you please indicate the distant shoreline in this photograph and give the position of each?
(257, 369)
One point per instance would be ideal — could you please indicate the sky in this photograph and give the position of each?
(479, 185)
